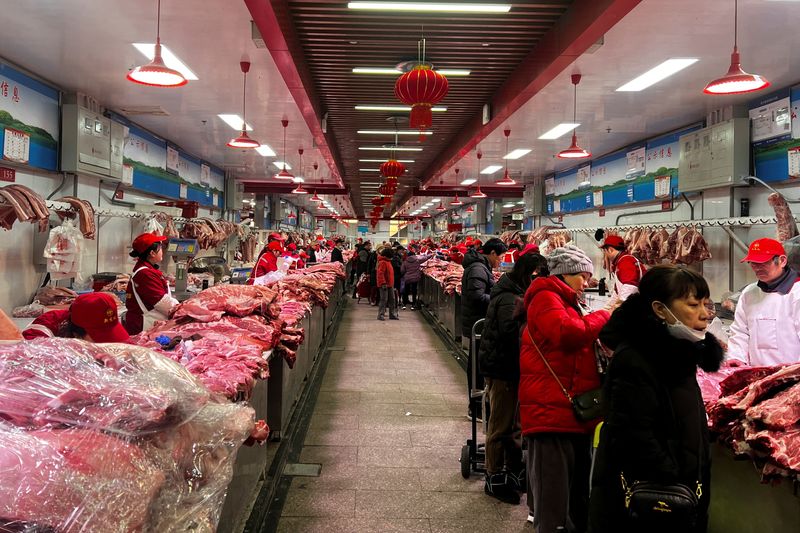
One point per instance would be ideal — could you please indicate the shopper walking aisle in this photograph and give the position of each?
(388, 426)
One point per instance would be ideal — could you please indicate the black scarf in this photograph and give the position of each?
(783, 284)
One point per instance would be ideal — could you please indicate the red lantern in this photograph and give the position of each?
(393, 169)
(421, 88)
(391, 181)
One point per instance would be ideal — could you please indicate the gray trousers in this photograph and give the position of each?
(387, 299)
(558, 467)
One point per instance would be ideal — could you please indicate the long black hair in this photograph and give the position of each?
(144, 255)
(526, 266)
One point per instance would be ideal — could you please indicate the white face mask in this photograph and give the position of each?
(679, 330)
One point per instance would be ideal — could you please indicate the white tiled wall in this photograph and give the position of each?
(21, 275)
(723, 271)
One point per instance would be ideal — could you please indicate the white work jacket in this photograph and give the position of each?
(766, 327)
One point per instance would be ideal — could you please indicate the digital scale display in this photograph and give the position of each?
(182, 246)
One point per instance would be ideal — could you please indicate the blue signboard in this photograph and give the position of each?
(29, 120)
(775, 134)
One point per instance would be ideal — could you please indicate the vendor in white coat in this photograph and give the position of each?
(766, 326)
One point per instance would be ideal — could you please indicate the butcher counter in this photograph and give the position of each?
(276, 400)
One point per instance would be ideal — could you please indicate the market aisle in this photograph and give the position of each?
(388, 427)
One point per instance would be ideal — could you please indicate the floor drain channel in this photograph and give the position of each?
(302, 469)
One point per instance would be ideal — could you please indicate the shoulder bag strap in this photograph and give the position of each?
(530, 338)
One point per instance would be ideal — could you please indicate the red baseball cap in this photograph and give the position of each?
(145, 241)
(96, 312)
(320, 238)
(275, 237)
(530, 248)
(614, 241)
(762, 250)
(292, 246)
(275, 245)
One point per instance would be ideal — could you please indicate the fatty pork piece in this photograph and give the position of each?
(59, 382)
(75, 480)
(782, 411)
(240, 300)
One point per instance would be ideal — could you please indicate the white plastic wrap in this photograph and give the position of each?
(63, 251)
(111, 438)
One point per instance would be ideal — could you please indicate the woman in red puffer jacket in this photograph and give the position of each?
(559, 445)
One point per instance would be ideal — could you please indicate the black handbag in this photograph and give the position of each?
(587, 406)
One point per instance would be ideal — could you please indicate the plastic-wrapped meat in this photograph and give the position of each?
(786, 226)
(63, 251)
(55, 295)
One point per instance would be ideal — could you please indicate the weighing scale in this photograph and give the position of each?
(182, 252)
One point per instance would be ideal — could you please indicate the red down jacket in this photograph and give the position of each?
(566, 338)
(385, 272)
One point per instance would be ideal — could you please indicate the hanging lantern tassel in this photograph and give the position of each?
(421, 88)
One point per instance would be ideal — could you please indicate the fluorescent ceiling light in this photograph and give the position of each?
(148, 50)
(395, 108)
(280, 165)
(521, 202)
(508, 205)
(392, 132)
(436, 200)
(395, 72)
(657, 73)
(235, 122)
(558, 131)
(384, 161)
(396, 148)
(491, 169)
(431, 7)
(266, 151)
(516, 154)
(369, 183)
(298, 179)
(369, 170)
(469, 181)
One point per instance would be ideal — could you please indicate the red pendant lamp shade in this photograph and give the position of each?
(421, 88)
(284, 174)
(574, 151)
(244, 140)
(470, 209)
(156, 73)
(478, 193)
(456, 201)
(440, 207)
(299, 189)
(506, 179)
(736, 80)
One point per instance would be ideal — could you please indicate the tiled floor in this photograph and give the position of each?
(388, 427)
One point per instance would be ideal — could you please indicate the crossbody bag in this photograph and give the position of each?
(587, 406)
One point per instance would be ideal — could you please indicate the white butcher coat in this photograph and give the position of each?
(766, 327)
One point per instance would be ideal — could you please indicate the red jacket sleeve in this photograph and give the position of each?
(628, 270)
(266, 264)
(151, 286)
(51, 320)
(548, 312)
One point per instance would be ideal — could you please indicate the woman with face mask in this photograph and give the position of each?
(655, 429)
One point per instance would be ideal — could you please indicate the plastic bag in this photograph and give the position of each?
(270, 278)
(63, 251)
(33, 310)
(61, 469)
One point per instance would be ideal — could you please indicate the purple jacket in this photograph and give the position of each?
(411, 268)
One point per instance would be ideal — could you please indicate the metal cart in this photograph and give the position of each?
(473, 454)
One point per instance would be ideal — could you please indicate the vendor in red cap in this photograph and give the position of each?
(455, 255)
(291, 255)
(766, 325)
(267, 261)
(624, 269)
(148, 297)
(91, 317)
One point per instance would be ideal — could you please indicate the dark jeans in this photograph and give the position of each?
(387, 300)
(501, 448)
(411, 290)
(558, 481)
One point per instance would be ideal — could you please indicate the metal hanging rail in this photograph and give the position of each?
(707, 223)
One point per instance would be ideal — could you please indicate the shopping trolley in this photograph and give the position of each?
(473, 454)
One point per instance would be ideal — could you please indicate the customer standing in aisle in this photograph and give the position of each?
(397, 265)
(336, 253)
(499, 364)
(372, 271)
(362, 256)
(385, 280)
(558, 348)
(477, 282)
(412, 274)
(655, 429)
(148, 297)
(766, 326)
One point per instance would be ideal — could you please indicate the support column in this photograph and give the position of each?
(259, 212)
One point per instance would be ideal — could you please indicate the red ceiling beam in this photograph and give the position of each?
(584, 23)
(274, 21)
(490, 192)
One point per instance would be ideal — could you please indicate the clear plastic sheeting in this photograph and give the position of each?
(111, 438)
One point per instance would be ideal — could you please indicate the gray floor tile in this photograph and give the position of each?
(352, 525)
(306, 499)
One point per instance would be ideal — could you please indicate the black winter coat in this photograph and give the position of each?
(336, 255)
(499, 349)
(397, 265)
(476, 285)
(656, 422)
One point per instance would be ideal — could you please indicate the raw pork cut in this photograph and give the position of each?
(240, 300)
(782, 446)
(782, 411)
(786, 226)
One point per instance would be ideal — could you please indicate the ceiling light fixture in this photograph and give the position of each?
(244, 140)
(574, 151)
(389, 149)
(383, 160)
(506, 180)
(508, 205)
(156, 73)
(656, 74)
(235, 122)
(299, 189)
(558, 131)
(395, 108)
(265, 151)
(284, 174)
(440, 207)
(169, 57)
(390, 132)
(369, 170)
(516, 154)
(470, 209)
(281, 165)
(430, 7)
(477, 193)
(468, 181)
(435, 200)
(736, 81)
(395, 71)
(491, 169)
(455, 200)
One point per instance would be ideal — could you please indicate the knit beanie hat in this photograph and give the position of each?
(569, 260)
